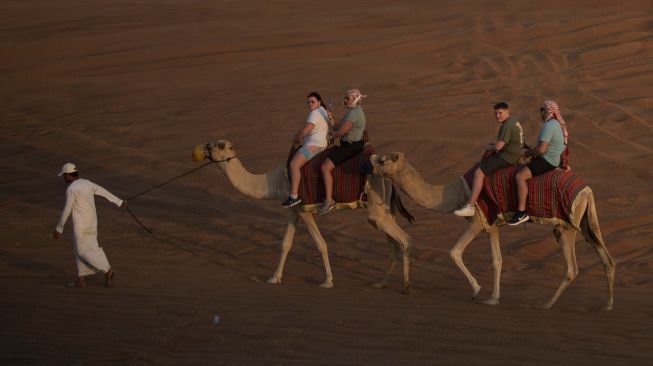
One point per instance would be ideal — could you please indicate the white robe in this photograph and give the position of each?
(80, 201)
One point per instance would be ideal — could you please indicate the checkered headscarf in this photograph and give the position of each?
(553, 111)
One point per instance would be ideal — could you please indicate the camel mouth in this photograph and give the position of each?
(374, 161)
(199, 153)
(378, 163)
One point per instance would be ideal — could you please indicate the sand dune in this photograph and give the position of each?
(126, 90)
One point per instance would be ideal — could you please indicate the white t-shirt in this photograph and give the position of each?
(318, 135)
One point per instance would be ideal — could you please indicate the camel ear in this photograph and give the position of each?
(221, 144)
(396, 156)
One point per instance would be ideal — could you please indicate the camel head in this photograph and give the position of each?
(389, 164)
(217, 151)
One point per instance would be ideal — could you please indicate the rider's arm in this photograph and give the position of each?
(343, 127)
(499, 145)
(304, 131)
(539, 149)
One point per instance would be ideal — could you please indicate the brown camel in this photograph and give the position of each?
(274, 185)
(451, 196)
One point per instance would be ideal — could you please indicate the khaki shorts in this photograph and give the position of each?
(493, 163)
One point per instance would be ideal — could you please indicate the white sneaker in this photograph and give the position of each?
(467, 210)
(326, 207)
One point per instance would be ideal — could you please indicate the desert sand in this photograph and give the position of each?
(126, 89)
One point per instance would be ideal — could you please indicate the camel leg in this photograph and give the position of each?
(456, 252)
(403, 241)
(380, 218)
(497, 261)
(285, 247)
(592, 234)
(557, 232)
(608, 267)
(567, 239)
(394, 255)
(321, 244)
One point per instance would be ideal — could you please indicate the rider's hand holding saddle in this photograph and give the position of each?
(295, 141)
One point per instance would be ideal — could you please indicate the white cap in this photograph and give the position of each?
(67, 169)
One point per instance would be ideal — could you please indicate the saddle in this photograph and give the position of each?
(349, 180)
(550, 195)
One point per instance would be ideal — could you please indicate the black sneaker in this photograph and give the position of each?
(519, 218)
(289, 202)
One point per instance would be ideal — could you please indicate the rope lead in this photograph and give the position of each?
(158, 186)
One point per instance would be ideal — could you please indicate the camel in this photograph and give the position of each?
(449, 197)
(274, 185)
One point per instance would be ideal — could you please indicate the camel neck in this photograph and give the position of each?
(440, 198)
(270, 185)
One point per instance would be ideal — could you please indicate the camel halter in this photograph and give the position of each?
(206, 147)
(382, 191)
(383, 178)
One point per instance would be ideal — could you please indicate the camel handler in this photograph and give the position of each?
(80, 201)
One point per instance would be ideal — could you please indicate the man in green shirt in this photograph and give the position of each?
(503, 153)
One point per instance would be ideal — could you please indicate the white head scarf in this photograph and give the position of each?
(358, 97)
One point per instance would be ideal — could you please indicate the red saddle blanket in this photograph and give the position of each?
(349, 178)
(550, 195)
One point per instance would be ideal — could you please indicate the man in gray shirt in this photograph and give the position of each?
(350, 131)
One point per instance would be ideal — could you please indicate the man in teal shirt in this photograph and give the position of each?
(546, 155)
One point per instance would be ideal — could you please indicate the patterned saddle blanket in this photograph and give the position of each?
(349, 180)
(550, 195)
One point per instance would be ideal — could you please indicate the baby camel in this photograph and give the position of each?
(451, 196)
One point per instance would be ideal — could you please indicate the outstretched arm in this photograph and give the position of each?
(100, 191)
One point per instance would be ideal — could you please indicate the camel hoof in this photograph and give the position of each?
(607, 307)
(477, 289)
(379, 285)
(407, 290)
(274, 280)
(491, 301)
(327, 284)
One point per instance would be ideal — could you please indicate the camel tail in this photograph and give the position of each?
(397, 205)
